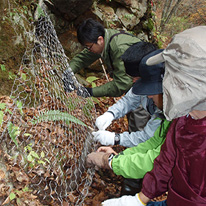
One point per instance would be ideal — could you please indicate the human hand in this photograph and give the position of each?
(84, 92)
(104, 137)
(125, 200)
(106, 150)
(98, 160)
(103, 121)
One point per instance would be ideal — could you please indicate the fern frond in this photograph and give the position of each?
(56, 115)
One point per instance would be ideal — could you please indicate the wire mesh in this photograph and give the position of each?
(45, 132)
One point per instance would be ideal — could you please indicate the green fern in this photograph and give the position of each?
(56, 115)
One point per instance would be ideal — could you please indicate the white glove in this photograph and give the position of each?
(104, 137)
(124, 201)
(103, 121)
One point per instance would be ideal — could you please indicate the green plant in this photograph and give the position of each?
(12, 196)
(25, 9)
(12, 75)
(91, 80)
(3, 109)
(3, 68)
(56, 115)
(40, 11)
(128, 16)
(22, 75)
(19, 105)
(14, 132)
(1, 117)
(33, 157)
(87, 107)
(16, 193)
(2, 106)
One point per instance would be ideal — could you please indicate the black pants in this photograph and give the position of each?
(131, 186)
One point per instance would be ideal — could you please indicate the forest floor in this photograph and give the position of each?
(105, 184)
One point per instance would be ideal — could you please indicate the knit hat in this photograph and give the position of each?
(184, 81)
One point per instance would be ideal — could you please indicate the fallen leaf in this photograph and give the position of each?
(2, 174)
(6, 201)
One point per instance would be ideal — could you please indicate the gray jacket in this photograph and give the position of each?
(129, 103)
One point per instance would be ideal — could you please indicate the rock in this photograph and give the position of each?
(106, 14)
(137, 7)
(70, 43)
(69, 9)
(128, 19)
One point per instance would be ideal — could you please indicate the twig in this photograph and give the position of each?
(105, 73)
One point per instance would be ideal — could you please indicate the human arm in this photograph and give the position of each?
(134, 162)
(120, 84)
(134, 138)
(127, 103)
(83, 60)
(125, 139)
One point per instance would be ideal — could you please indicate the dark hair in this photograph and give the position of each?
(134, 54)
(89, 31)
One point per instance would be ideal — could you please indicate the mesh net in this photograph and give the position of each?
(45, 132)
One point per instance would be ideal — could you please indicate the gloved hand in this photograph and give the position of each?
(124, 201)
(106, 150)
(104, 137)
(103, 121)
(68, 81)
(84, 92)
(98, 160)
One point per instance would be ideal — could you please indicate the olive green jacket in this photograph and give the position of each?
(121, 81)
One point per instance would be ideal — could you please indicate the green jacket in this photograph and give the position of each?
(121, 81)
(135, 162)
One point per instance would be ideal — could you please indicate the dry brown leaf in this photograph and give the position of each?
(65, 203)
(19, 202)
(6, 201)
(2, 174)
(21, 176)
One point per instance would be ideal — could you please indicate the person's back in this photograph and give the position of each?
(183, 157)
